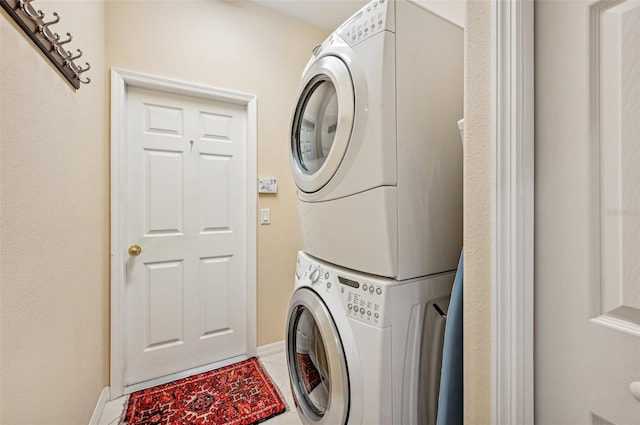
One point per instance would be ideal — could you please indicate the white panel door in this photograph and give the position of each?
(186, 207)
(587, 275)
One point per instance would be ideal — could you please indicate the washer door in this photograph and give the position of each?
(322, 123)
(317, 365)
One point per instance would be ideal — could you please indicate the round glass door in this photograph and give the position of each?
(317, 127)
(310, 364)
(316, 361)
(322, 123)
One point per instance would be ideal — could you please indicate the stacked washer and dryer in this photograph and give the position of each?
(375, 154)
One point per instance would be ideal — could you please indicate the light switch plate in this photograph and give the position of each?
(265, 216)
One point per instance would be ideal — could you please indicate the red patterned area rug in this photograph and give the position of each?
(239, 394)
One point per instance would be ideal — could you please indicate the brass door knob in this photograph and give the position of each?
(134, 250)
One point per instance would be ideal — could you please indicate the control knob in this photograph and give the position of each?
(314, 276)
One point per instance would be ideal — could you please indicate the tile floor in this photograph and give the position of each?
(274, 364)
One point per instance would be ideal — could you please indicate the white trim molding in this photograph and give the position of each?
(120, 81)
(105, 396)
(513, 267)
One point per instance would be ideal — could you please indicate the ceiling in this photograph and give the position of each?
(327, 14)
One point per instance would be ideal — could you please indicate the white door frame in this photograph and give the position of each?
(513, 212)
(120, 81)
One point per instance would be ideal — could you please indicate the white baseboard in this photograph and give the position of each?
(105, 395)
(270, 349)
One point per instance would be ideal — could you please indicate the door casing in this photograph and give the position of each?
(121, 80)
(512, 142)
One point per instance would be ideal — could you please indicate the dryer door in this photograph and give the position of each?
(322, 123)
(316, 361)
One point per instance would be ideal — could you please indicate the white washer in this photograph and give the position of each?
(374, 143)
(362, 349)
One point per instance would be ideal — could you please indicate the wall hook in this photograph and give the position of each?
(31, 12)
(69, 58)
(46, 32)
(75, 57)
(67, 40)
(81, 70)
(44, 26)
(55, 21)
(62, 52)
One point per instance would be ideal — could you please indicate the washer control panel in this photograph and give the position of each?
(368, 21)
(363, 299)
(317, 275)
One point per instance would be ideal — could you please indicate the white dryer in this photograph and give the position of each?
(362, 349)
(374, 143)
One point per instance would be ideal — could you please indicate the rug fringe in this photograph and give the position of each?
(280, 393)
(124, 410)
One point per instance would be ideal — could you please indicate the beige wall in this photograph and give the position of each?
(235, 46)
(478, 169)
(55, 241)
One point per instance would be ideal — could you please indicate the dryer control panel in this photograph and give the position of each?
(373, 18)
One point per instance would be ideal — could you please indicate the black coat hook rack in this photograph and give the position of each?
(38, 28)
